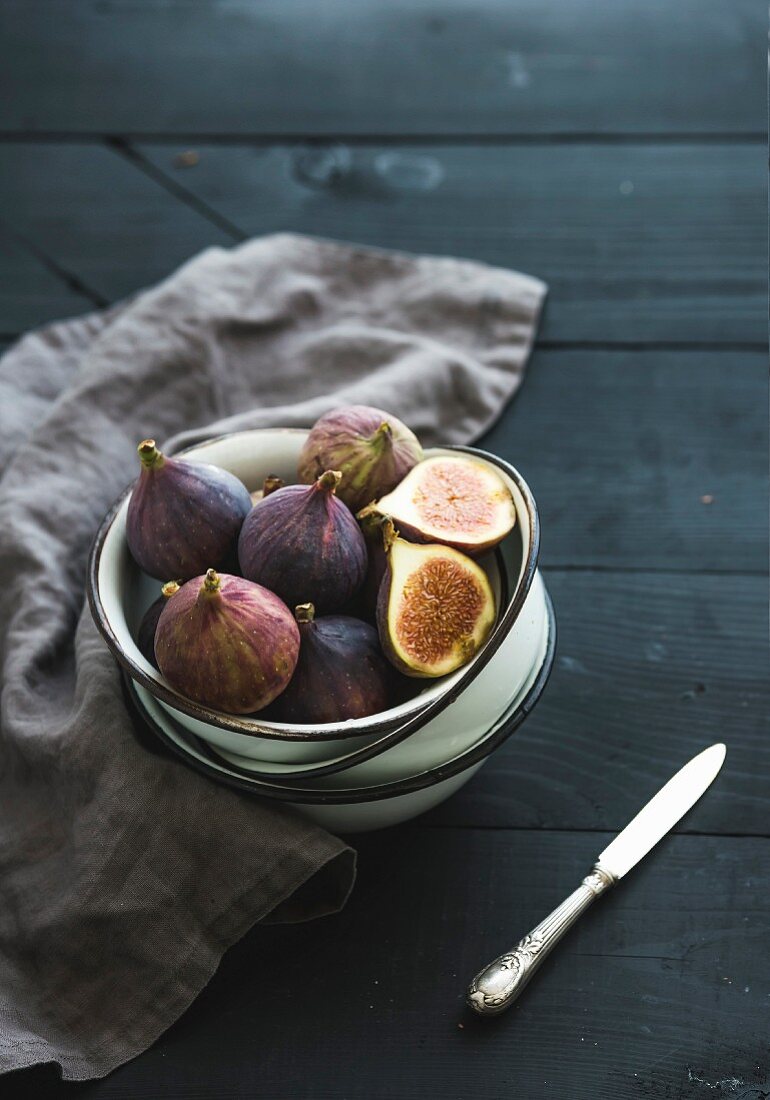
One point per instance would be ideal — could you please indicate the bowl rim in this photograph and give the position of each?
(246, 725)
(241, 779)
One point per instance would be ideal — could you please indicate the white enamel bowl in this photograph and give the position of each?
(345, 802)
(446, 718)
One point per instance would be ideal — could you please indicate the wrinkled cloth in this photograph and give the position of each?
(124, 876)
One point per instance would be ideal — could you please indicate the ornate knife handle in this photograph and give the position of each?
(498, 985)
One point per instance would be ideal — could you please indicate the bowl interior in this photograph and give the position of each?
(123, 592)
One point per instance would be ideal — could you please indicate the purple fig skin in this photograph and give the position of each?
(183, 515)
(373, 524)
(145, 635)
(340, 674)
(303, 543)
(372, 449)
(227, 643)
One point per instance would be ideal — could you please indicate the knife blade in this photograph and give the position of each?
(662, 812)
(499, 984)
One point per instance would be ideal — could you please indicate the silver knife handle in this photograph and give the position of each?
(498, 985)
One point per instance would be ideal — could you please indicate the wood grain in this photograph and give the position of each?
(660, 987)
(97, 217)
(679, 258)
(409, 66)
(616, 150)
(30, 293)
(639, 243)
(644, 459)
(650, 668)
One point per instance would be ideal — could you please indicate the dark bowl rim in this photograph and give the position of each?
(245, 725)
(499, 732)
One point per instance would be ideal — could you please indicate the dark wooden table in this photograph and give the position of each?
(616, 148)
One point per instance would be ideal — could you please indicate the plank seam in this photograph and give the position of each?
(642, 570)
(175, 189)
(164, 137)
(588, 829)
(69, 278)
(652, 345)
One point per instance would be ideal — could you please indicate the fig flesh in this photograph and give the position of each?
(341, 672)
(183, 516)
(145, 635)
(227, 643)
(454, 500)
(435, 608)
(269, 485)
(304, 544)
(372, 449)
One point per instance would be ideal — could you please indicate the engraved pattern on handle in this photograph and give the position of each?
(498, 985)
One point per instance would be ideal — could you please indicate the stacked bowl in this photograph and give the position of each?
(364, 773)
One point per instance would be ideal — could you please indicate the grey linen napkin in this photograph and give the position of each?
(124, 876)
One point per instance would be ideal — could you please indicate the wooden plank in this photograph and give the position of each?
(661, 990)
(650, 459)
(681, 258)
(98, 218)
(30, 293)
(638, 243)
(624, 486)
(409, 66)
(650, 668)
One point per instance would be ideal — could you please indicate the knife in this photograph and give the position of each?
(498, 985)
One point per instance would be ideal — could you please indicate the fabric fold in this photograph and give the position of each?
(124, 876)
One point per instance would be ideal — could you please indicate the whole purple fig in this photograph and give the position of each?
(227, 643)
(145, 635)
(341, 672)
(183, 515)
(302, 543)
(372, 449)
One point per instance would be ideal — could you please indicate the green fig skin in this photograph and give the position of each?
(372, 449)
(227, 643)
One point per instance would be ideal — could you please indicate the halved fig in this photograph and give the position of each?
(455, 500)
(435, 608)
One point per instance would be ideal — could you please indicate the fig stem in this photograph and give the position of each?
(329, 480)
(149, 454)
(304, 612)
(370, 514)
(389, 533)
(170, 588)
(271, 483)
(383, 433)
(211, 582)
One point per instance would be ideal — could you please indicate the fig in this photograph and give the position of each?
(377, 530)
(454, 500)
(269, 485)
(183, 516)
(304, 544)
(434, 610)
(227, 643)
(341, 672)
(145, 635)
(372, 449)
